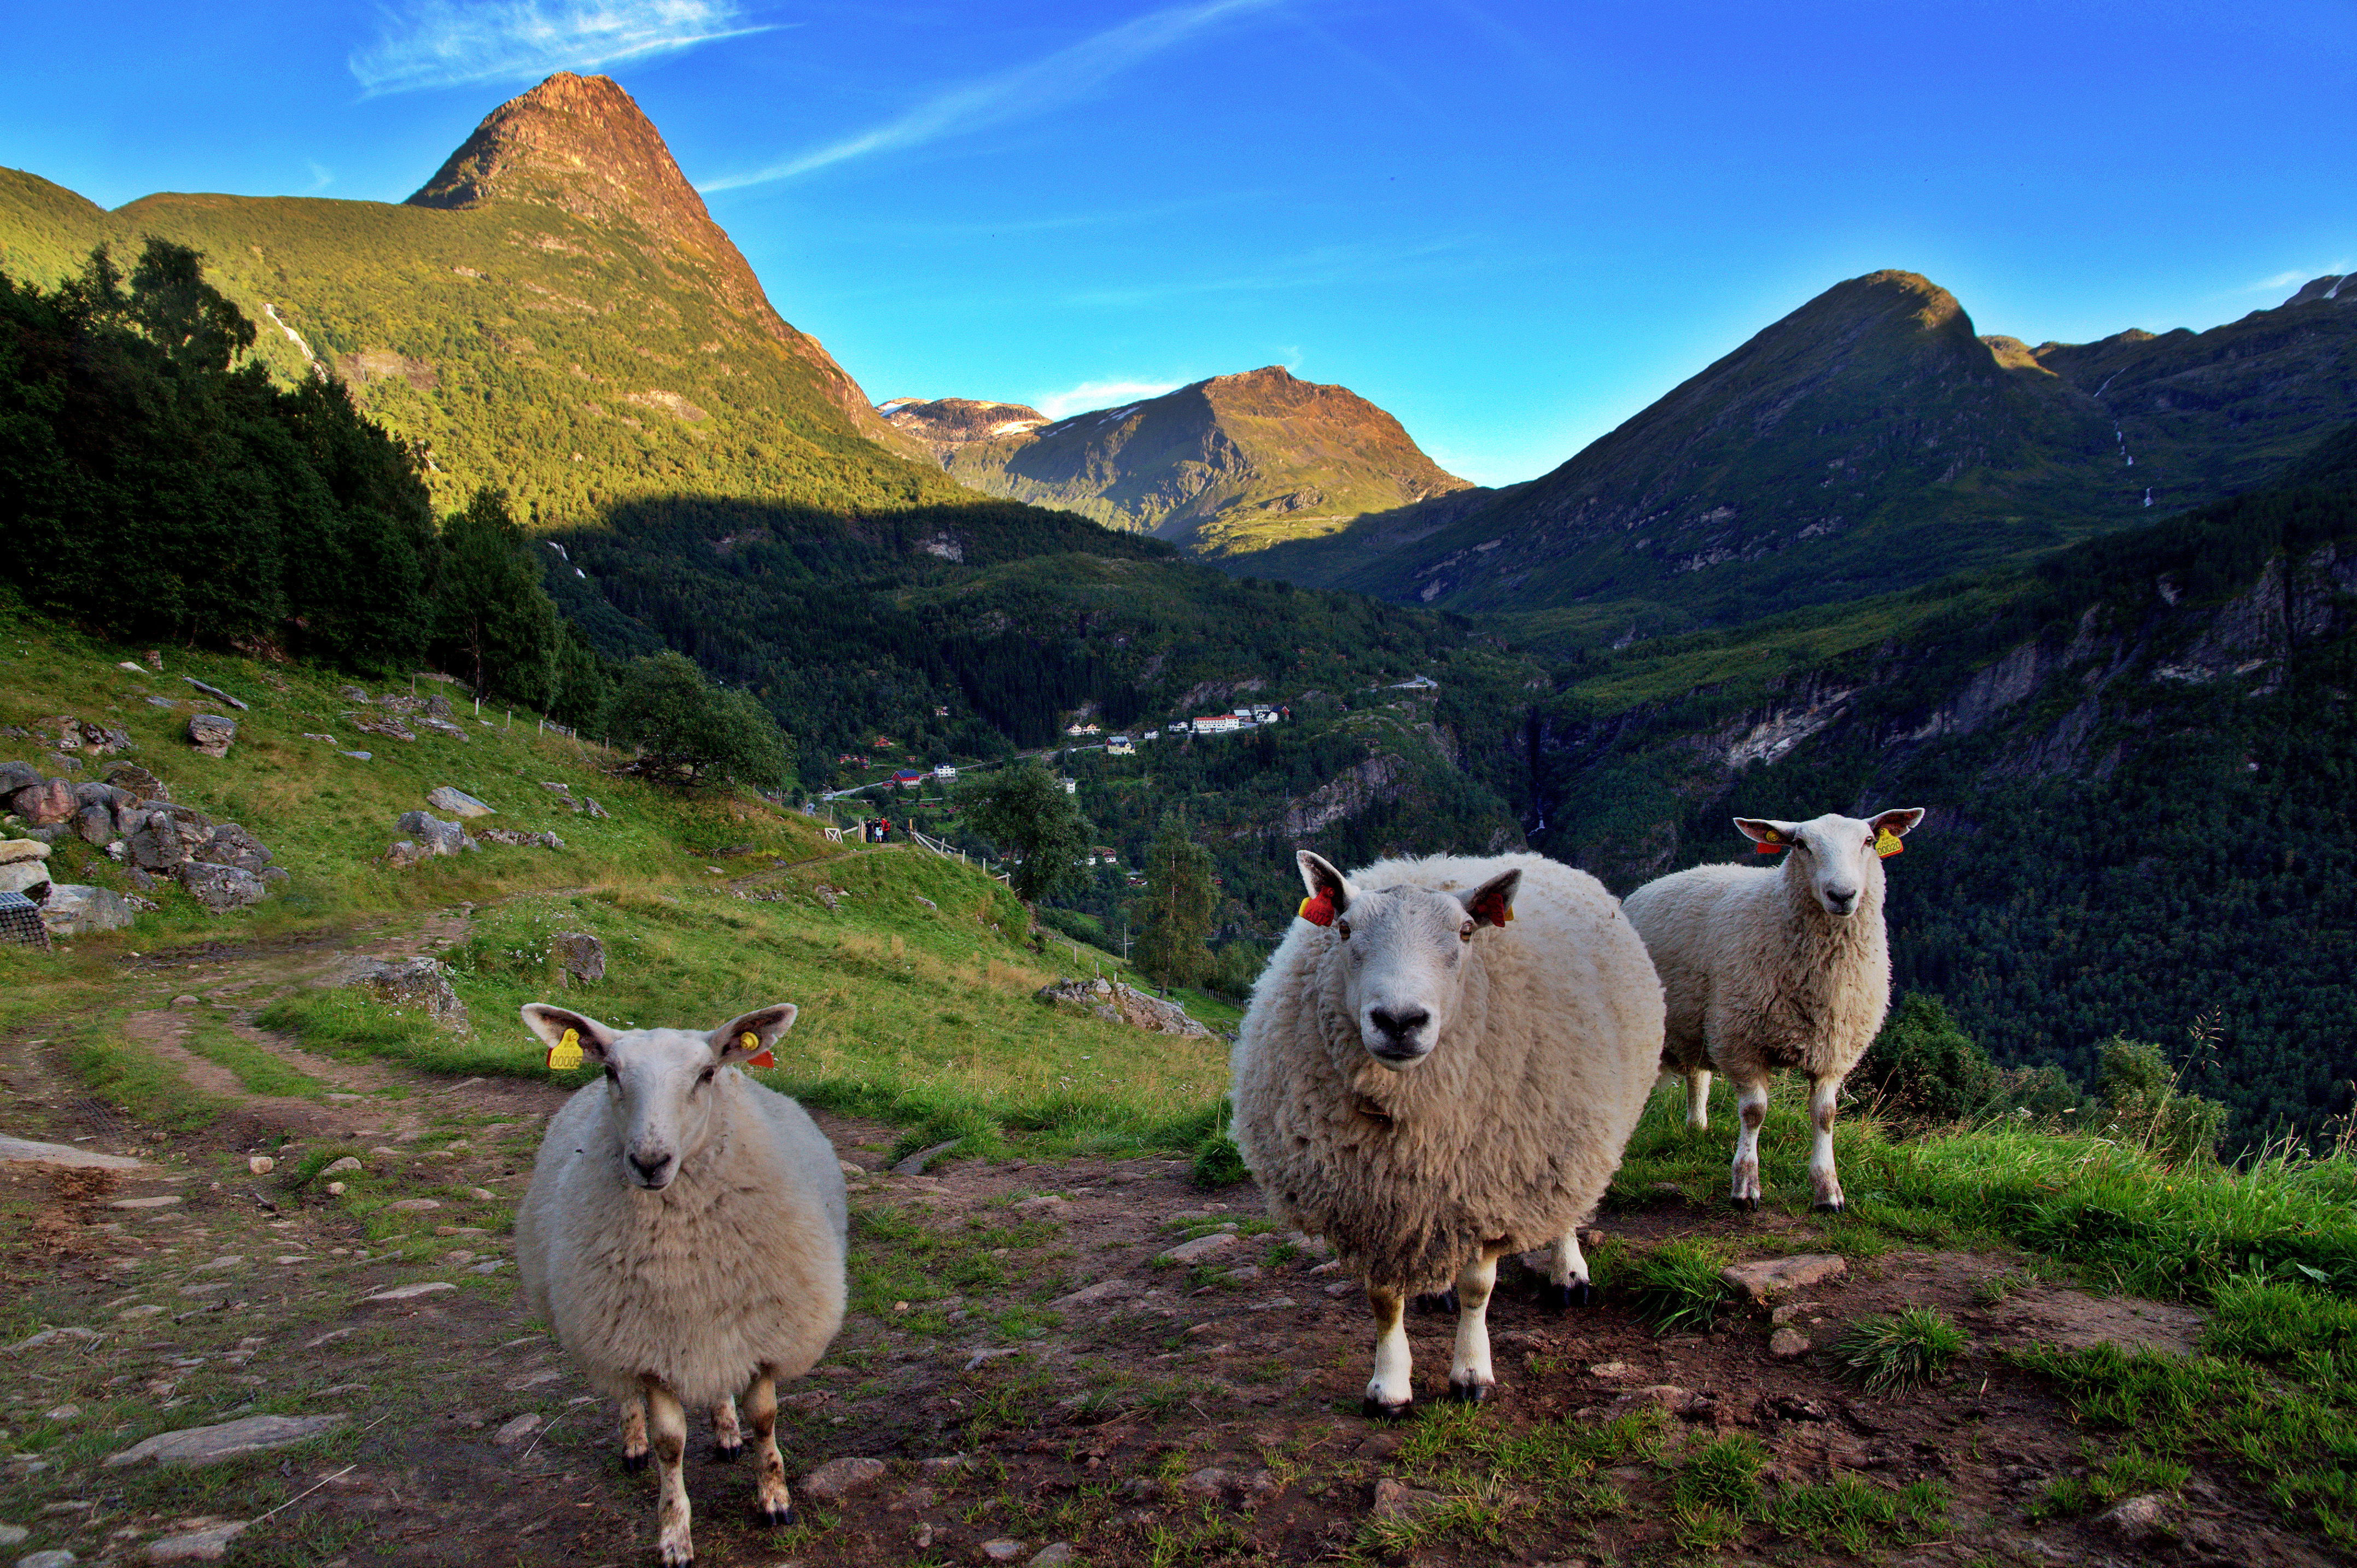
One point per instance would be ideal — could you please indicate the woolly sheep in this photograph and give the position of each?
(1430, 1089)
(1773, 967)
(683, 1233)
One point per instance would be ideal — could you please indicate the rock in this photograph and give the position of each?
(1657, 1396)
(25, 1151)
(1790, 1312)
(1612, 1371)
(458, 802)
(439, 705)
(415, 982)
(1044, 1206)
(2137, 1519)
(204, 1445)
(221, 888)
(16, 851)
(839, 1478)
(1770, 1277)
(399, 1293)
(56, 1557)
(915, 1163)
(1398, 1501)
(47, 803)
(579, 954)
(260, 1164)
(15, 776)
(155, 841)
(1001, 1550)
(230, 844)
(1055, 1554)
(349, 1162)
(1788, 1345)
(14, 1535)
(412, 1206)
(335, 1189)
(74, 910)
(352, 693)
(432, 834)
(95, 823)
(1096, 1294)
(210, 733)
(442, 727)
(161, 1201)
(209, 1544)
(358, 755)
(391, 728)
(51, 1337)
(1202, 1247)
(519, 839)
(25, 876)
(515, 1431)
(214, 692)
(1123, 1004)
(136, 780)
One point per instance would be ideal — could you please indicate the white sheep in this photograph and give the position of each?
(1430, 1089)
(683, 1234)
(1772, 967)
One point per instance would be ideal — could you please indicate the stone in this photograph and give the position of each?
(1055, 1554)
(415, 982)
(412, 1206)
(95, 823)
(915, 1163)
(579, 954)
(439, 705)
(391, 728)
(458, 802)
(210, 733)
(25, 876)
(75, 911)
(47, 803)
(154, 841)
(1398, 1501)
(1096, 1294)
(161, 1201)
(1209, 1482)
(221, 888)
(137, 780)
(25, 1151)
(432, 834)
(215, 691)
(2137, 1520)
(208, 1544)
(230, 844)
(260, 1164)
(358, 755)
(15, 852)
(16, 775)
(442, 727)
(349, 1162)
(399, 1293)
(335, 1189)
(1788, 1345)
(14, 1535)
(1125, 1005)
(1769, 1277)
(1791, 1312)
(1001, 1550)
(515, 1431)
(517, 839)
(1612, 1371)
(1203, 1247)
(205, 1444)
(839, 1478)
(56, 1557)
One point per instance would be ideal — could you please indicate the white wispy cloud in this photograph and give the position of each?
(1028, 89)
(1100, 394)
(443, 43)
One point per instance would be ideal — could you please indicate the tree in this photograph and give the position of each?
(1926, 1069)
(689, 732)
(1024, 812)
(492, 616)
(1181, 900)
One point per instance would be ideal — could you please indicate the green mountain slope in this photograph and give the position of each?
(1869, 442)
(554, 312)
(1223, 467)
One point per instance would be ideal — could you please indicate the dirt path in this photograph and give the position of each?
(1019, 1356)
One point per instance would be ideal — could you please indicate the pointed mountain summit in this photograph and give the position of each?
(1223, 467)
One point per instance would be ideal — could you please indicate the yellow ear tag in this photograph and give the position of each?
(761, 1057)
(566, 1053)
(1887, 844)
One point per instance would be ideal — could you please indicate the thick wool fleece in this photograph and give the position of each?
(736, 1265)
(1508, 1133)
(1757, 976)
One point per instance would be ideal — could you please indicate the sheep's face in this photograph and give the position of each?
(662, 1086)
(1400, 954)
(1836, 857)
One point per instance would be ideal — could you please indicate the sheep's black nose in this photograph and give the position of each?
(1400, 1024)
(652, 1169)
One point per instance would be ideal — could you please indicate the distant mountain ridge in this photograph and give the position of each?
(1223, 467)
(553, 311)
(1869, 440)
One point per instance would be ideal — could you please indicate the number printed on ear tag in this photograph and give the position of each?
(566, 1053)
(761, 1057)
(1887, 844)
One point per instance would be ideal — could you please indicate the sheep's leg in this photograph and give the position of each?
(1471, 1379)
(769, 1494)
(634, 1432)
(1567, 1286)
(728, 1436)
(1750, 1110)
(667, 1426)
(1698, 1100)
(1391, 1393)
(1823, 1179)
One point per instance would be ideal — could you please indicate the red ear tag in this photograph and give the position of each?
(1317, 911)
(764, 1060)
(1768, 845)
(761, 1057)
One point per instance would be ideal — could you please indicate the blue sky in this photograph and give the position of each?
(1513, 225)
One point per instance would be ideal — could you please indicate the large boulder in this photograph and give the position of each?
(441, 727)
(458, 802)
(579, 953)
(137, 779)
(413, 982)
(23, 865)
(1119, 1004)
(392, 729)
(155, 841)
(95, 824)
(519, 839)
(228, 844)
(13, 851)
(48, 803)
(73, 910)
(221, 888)
(210, 733)
(432, 835)
(15, 776)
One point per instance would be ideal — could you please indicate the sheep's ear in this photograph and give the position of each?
(1897, 821)
(1768, 835)
(748, 1037)
(553, 1024)
(1330, 891)
(1493, 903)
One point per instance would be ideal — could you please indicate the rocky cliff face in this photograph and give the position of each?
(945, 424)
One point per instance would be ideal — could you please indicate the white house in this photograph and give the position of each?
(945, 773)
(1218, 723)
(1119, 746)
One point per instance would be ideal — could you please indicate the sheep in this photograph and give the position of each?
(1766, 967)
(683, 1233)
(1429, 1088)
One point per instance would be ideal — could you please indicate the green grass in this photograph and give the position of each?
(1902, 1350)
(1676, 1287)
(258, 1071)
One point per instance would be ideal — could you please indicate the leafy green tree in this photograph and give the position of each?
(690, 733)
(2138, 1088)
(1024, 812)
(492, 618)
(1925, 1068)
(1177, 909)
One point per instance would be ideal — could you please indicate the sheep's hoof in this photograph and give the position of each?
(1471, 1393)
(1562, 1298)
(1436, 1301)
(1748, 1205)
(634, 1463)
(1374, 1409)
(1832, 1206)
(727, 1453)
(778, 1518)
